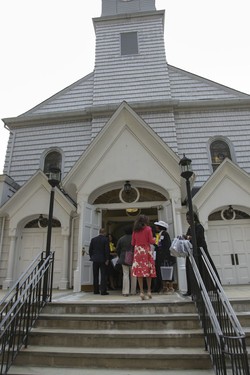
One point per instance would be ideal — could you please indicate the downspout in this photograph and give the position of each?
(1, 239)
(11, 148)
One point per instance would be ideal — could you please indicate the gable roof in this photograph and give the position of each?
(189, 86)
(213, 194)
(30, 200)
(185, 87)
(122, 150)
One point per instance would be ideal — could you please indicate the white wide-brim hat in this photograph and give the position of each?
(161, 224)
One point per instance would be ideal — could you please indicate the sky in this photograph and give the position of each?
(46, 45)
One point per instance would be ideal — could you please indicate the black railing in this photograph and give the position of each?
(224, 338)
(21, 306)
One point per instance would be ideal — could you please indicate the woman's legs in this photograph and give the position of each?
(149, 280)
(125, 279)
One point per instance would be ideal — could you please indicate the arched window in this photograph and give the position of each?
(219, 150)
(52, 159)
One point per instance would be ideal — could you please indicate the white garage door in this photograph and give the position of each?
(33, 242)
(229, 246)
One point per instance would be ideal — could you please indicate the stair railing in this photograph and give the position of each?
(224, 337)
(21, 306)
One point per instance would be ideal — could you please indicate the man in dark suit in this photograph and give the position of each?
(100, 254)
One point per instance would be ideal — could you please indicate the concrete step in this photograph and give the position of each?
(119, 321)
(113, 307)
(17, 370)
(116, 358)
(114, 338)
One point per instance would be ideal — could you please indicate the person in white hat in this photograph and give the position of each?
(163, 256)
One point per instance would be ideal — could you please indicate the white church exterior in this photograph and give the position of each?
(131, 119)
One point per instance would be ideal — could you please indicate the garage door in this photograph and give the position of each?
(229, 246)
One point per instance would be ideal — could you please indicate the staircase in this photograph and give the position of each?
(116, 337)
(129, 337)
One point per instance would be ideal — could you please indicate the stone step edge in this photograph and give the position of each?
(117, 332)
(126, 317)
(19, 370)
(169, 352)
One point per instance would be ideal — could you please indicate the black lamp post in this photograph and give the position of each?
(54, 178)
(187, 173)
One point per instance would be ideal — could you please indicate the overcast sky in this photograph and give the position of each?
(46, 45)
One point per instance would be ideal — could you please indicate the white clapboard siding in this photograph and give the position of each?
(72, 139)
(164, 126)
(76, 97)
(188, 86)
(141, 77)
(195, 129)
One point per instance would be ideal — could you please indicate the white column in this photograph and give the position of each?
(11, 261)
(181, 262)
(64, 282)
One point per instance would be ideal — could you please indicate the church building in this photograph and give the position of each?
(127, 125)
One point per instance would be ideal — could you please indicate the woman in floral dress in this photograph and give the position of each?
(143, 264)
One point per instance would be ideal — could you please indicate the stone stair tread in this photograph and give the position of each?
(117, 352)
(123, 332)
(118, 316)
(18, 370)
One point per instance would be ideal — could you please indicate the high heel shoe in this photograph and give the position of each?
(142, 295)
(149, 295)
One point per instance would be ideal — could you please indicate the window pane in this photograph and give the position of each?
(219, 151)
(129, 43)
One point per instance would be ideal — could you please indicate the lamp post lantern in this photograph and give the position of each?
(54, 178)
(186, 172)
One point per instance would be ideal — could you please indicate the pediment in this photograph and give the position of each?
(228, 185)
(126, 148)
(33, 198)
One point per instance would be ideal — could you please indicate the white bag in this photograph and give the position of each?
(180, 247)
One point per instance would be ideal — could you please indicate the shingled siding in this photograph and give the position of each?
(141, 77)
(195, 129)
(187, 86)
(76, 97)
(164, 126)
(31, 143)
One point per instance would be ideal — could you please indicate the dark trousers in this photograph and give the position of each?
(100, 266)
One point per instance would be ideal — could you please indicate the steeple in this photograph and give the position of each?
(114, 7)
(130, 60)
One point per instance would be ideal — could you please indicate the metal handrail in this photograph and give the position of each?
(21, 307)
(223, 334)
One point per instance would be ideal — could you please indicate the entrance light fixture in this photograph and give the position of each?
(127, 187)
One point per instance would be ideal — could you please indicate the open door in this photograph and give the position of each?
(92, 220)
(166, 214)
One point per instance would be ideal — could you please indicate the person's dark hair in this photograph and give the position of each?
(140, 223)
(128, 229)
(196, 218)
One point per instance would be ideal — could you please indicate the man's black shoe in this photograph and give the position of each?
(104, 293)
(96, 292)
(186, 294)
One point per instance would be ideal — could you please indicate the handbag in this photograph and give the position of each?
(180, 247)
(129, 257)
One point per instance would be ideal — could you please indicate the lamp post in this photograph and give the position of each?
(187, 173)
(54, 179)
